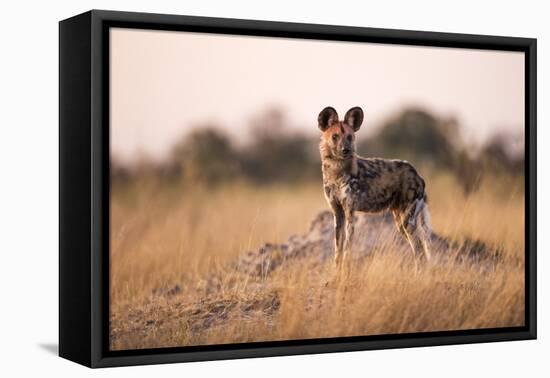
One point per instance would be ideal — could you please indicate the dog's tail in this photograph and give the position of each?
(425, 218)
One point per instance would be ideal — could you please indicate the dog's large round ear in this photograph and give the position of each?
(327, 117)
(354, 118)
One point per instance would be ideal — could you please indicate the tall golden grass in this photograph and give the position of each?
(168, 242)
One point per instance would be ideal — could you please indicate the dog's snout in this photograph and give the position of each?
(346, 151)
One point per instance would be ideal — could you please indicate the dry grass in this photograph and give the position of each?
(168, 243)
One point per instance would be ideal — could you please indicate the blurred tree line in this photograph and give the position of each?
(277, 153)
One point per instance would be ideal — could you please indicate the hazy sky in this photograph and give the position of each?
(164, 83)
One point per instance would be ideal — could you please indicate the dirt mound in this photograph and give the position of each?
(373, 233)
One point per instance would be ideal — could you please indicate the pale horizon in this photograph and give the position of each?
(164, 83)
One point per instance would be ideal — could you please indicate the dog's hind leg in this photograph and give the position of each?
(419, 226)
(412, 223)
(400, 223)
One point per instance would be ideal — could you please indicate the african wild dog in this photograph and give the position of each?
(353, 183)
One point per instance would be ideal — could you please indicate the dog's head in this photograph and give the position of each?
(338, 140)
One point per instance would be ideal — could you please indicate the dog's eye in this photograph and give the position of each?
(335, 137)
(350, 138)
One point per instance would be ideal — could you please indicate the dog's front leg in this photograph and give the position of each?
(339, 231)
(350, 227)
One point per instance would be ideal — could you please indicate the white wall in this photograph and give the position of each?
(28, 200)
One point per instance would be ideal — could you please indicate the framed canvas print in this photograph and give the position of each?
(235, 188)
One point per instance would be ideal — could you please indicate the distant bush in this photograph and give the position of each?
(276, 152)
(503, 154)
(273, 154)
(206, 155)
(416, 135)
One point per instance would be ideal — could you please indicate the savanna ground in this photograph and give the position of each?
(176, 280)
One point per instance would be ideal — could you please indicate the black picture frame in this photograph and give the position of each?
(84, 187)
